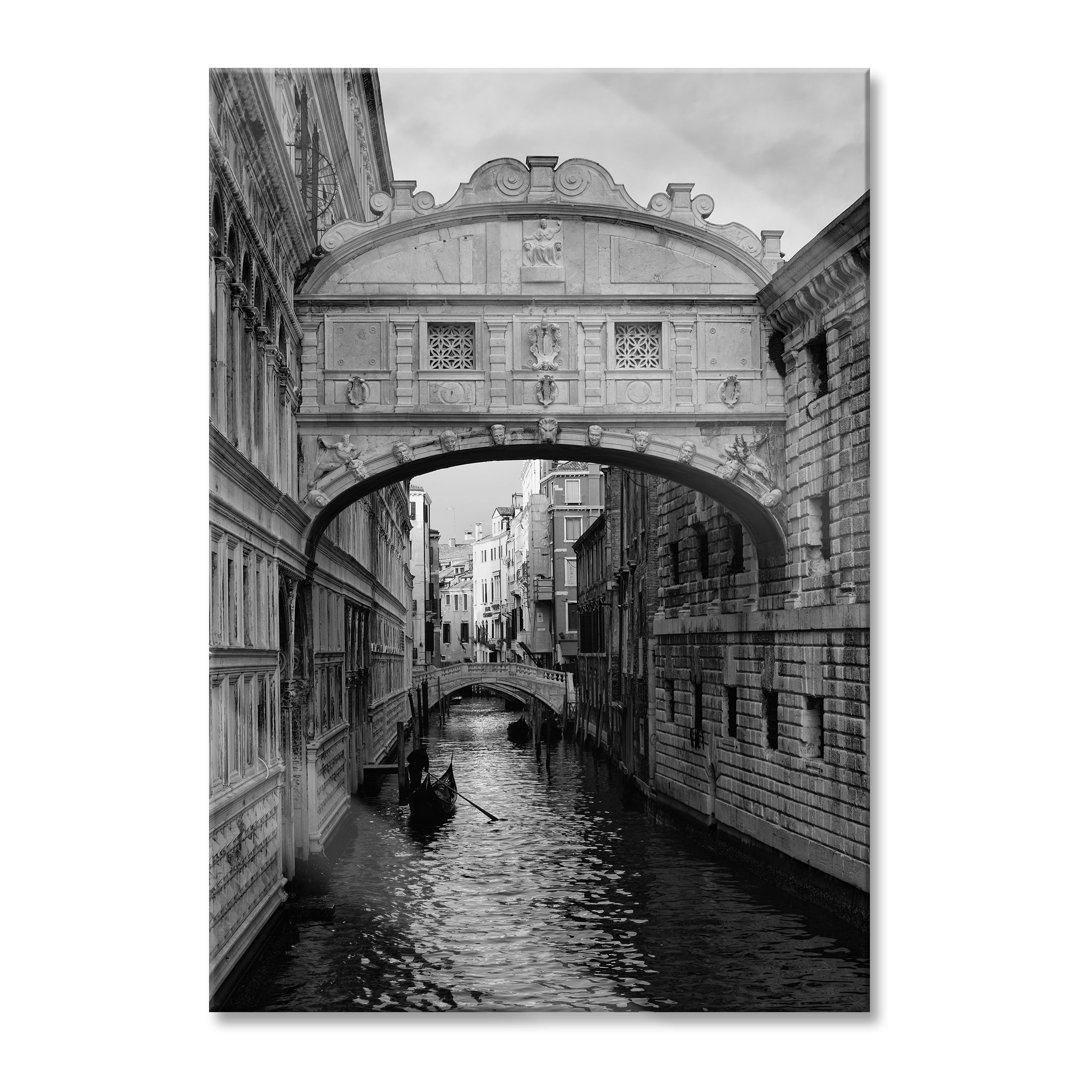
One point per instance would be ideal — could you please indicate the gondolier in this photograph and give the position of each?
(418, 764)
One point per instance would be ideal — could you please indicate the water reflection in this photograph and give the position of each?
(575, 899)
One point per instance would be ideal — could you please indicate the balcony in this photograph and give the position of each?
(542, 589)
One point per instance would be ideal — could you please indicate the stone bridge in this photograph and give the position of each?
(518, 681)
(542, 312)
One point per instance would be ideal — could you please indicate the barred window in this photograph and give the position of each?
(637, 345)
(452, 346)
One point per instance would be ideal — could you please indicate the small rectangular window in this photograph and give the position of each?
(818, 537)
(732, 693)
(573, 491)
(772, 719)
(736, 565)
(671, 701)
(818, 361)
(637, 345)
(673, 556)
(571, 618)
(571, 528)
(813, 718)
(697, 735)
(451, 346)
(570, 571)
(703, 552)
(464, 633)
(446, 633)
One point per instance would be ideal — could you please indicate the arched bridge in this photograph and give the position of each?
(519, 681)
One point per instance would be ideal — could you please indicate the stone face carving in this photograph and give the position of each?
(403, 452)
(730, 391)
(448, 440)
(595, 434)
(357, 468)
(545, 342)
(687, 452)
(498, 434)
(641, 440)
(317, 497)
(357, 393)
(544, 247)
(547, 390)
(547, 428)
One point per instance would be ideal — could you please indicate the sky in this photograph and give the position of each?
(775, 149)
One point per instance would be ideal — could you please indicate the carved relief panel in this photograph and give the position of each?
(355, 362)
(638, 364)
(452, 367)
(729, 364)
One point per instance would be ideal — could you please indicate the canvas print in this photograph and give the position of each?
(539, 541)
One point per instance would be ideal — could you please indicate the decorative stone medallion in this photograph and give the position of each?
(547, 390)
(730, 391)
(638, 392)
(357, 394)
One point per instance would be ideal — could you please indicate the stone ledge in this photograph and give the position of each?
(830, 617)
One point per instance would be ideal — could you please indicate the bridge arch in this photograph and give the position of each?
(542, 312)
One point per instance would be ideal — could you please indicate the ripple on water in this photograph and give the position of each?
(576, 900)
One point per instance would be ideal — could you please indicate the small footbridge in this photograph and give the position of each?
(518, 681)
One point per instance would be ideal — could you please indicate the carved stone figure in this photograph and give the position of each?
(357, 468)
(357, 393)
(595, 433)
(771, 498)
(544, 247)
(687, 452)
(741, 458)
(333, 456)
(317, 497)
(498, 434)
(641, 441)
(547, 390)
(547, 428)
(544, 343)
(403, 452)
(448, 440)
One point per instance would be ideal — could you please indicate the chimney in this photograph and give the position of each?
(479, 531)
(515, 500)
(468, 537)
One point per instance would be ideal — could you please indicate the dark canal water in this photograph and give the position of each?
(576, 899)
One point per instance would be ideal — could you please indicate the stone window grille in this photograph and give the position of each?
(637, 345)
(451, 346)
(817, 357)
(736, 532)
(671, 701)
(702, 541)
(818, 538)
(673, 555)
(697, 732)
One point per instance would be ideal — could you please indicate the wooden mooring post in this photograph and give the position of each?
(402, 775)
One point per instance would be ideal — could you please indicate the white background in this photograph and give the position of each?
(974, 357)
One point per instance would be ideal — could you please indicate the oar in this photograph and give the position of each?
(469, 801)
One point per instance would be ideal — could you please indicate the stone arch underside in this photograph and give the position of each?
(452, 679)
(542, 313)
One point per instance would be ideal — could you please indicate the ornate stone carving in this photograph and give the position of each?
(512, 181)
(730, 390)
(687, 452)
(547, 429)
(545, 341)
(357, 393)
(742, 460)
(641, 440)
(448, 440)
(403, 452)
(595, 434)
(498, 434)
(357, 468)
(571, 181)
(317, 497)
(332, 455)
(547, 390)
(544, 247)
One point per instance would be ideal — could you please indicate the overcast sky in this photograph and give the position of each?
(775, 149)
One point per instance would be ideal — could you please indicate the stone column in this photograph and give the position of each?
(498, 361)
(223, 268)
(682, 389)
(593, 361)
(405, 358)
(309, 370)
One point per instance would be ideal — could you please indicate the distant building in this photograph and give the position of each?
(489, 597)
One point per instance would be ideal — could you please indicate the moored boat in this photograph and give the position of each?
(434, 801)
(518, 730)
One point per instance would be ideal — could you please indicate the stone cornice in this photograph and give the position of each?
(230, 462)
(371, 93)
(824, 617)
(662, 303)
(284, 299)
(821, 271)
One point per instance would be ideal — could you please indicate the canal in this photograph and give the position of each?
(575, 899)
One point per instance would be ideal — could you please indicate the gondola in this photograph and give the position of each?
(518, 730)
(433, 802)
